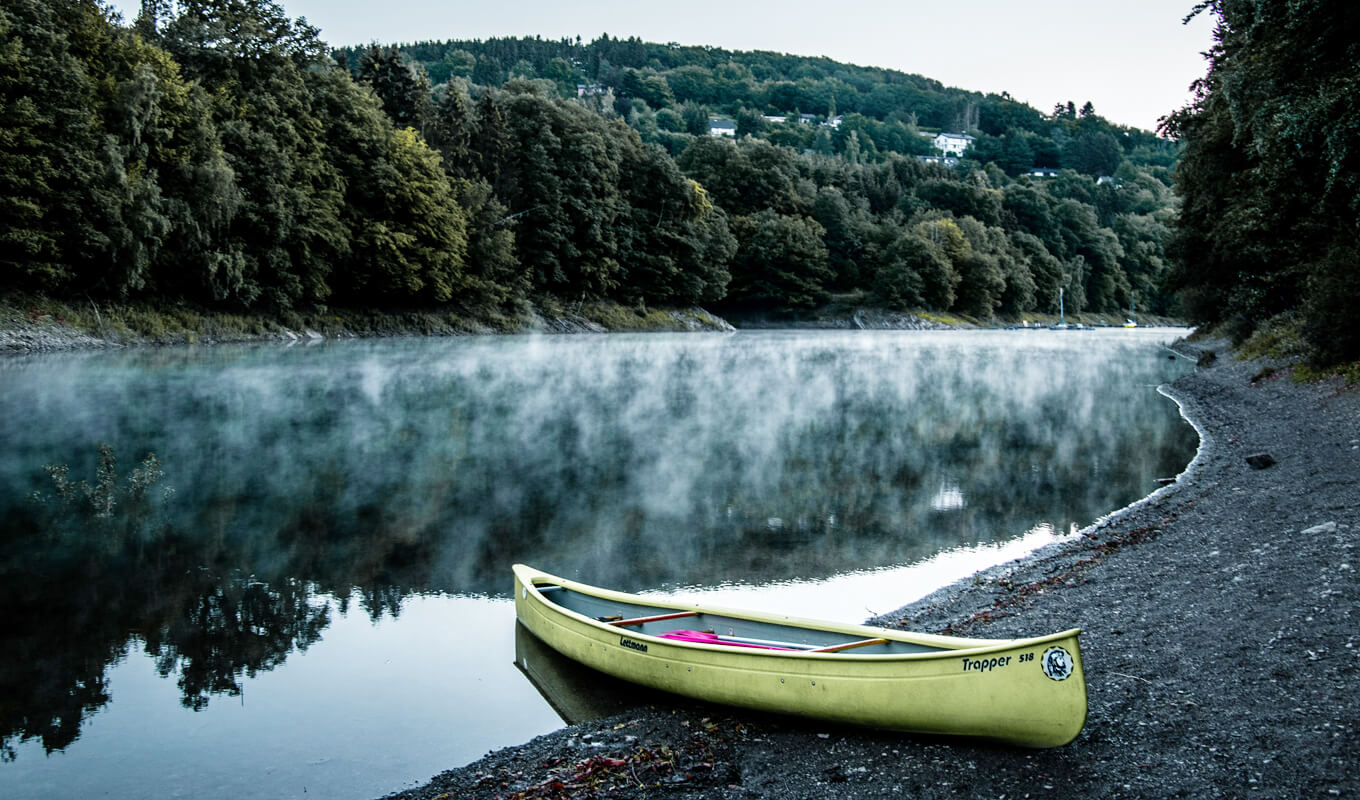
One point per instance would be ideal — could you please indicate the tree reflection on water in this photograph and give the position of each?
(378, 470)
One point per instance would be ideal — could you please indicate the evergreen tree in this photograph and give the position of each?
(490, 147)
(453, 130)
(494, 274)
(404, 90)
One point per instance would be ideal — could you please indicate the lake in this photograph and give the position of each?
(269, 571)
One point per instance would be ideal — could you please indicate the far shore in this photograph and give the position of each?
(37, 325)
(1220, 642)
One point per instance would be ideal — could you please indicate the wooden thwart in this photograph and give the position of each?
(657, 618)
(848, 645)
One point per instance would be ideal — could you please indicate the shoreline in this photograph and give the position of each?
(1220, 639)
(31, 325)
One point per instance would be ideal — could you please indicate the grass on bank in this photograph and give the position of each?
(173, 323)
(1280, 344)
(169, 323)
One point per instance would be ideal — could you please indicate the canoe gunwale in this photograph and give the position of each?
(945, 647)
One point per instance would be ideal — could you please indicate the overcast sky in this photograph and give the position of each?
(1133, 59)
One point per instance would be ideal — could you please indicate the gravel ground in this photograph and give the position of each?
(1220, 642)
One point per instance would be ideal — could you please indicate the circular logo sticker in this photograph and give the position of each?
(1058, 664)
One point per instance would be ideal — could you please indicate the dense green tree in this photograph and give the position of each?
(963, 199)
(1044, 270)
(1003, 115)
(1104, 285)
(453, 64)
(940, 276)
(488, 71)
(648, 86)
(899, 281)
(1269, 173)
(218, 41)
(848, 236)
(780, 263)
(675, 246)
(419, 242)
(792, 134)
(566, 170)
(1143, 241)
(695, 116)
(560, 72)
(693, 84)
(106, 150)
(490, 146)
(452, 130)
(747, 176)
(403, 89)
(983, 271)
(55, 191)
(404, 235)
(178, 191)
(493, 272)
(670, 120)
(280, 246)
(1093, 153)
(750, 122)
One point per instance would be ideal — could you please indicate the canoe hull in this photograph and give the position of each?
(1029, 692)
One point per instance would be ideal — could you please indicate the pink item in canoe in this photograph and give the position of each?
(704, 637)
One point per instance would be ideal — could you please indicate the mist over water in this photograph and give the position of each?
(320, 494)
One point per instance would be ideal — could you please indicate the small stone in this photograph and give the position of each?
(1261, 460)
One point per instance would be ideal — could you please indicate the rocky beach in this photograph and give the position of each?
(1220, 644)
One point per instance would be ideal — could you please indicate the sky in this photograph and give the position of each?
(1132, 59)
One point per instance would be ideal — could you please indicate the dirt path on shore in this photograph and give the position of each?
(1221, 644)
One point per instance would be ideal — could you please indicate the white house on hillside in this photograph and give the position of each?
(952, 143)
(722, 127)
(805, 119)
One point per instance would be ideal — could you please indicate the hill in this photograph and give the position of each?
(885, 108)
(217, 153)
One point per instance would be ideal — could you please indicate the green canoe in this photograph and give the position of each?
(1029, 692)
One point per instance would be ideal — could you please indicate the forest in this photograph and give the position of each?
(1268, 240)
(218, 153)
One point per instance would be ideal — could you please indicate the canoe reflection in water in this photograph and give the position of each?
(576, 692)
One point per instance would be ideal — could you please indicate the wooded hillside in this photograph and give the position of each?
(217, 152)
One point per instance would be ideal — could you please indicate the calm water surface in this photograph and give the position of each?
(305, 590)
